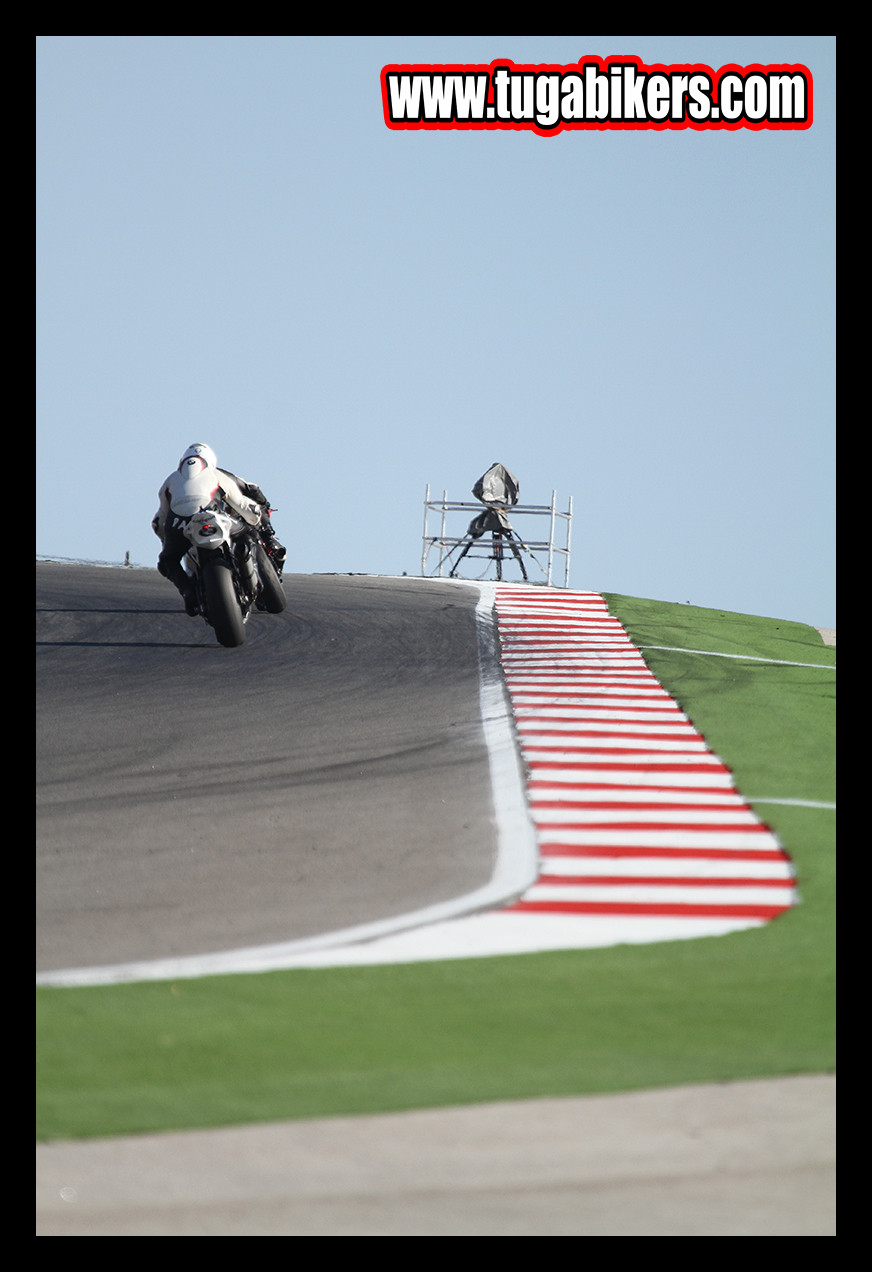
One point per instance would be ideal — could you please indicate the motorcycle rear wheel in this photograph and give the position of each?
(221, 603)
(272, 593)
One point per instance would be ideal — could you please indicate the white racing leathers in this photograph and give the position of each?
(193, 487)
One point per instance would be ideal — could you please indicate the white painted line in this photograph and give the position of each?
(587, 745)
(486, 935)
(579, 715)
(545, 678)
(664, 894)
(583, 702)
(530, 662)
(621, 778)
(793, 803)
(528, 725)
(728, 799)
(731, 840)
(665, 867)
(643, 699)
(692, 750)
(710, 653)
(551, 815)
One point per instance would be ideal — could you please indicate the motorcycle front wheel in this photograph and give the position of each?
(221, 603)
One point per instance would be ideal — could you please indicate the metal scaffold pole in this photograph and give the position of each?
(568, 536)
(424, 544)
(551, 537)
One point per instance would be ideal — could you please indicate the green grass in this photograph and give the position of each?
(308, 1043)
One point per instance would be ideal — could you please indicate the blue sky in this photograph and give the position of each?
(232, 247)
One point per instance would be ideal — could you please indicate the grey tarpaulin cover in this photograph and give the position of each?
(498, 488)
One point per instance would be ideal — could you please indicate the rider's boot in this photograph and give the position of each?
(173, 571)
(189, 596)
(277, 551)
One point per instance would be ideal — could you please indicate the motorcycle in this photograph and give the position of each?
(232, 569)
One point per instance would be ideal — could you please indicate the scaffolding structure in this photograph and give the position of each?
(495, 545)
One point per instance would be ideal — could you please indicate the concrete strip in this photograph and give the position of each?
(735, 1159)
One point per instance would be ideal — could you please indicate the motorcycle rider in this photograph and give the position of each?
(196, 481)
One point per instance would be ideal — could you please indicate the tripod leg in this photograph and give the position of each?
(497, 544)
(460, 558)
(513, 545)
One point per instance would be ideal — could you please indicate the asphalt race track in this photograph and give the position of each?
(330, 772)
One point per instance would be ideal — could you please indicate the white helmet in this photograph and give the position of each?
(200, 450)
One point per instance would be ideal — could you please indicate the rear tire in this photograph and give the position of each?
(221, 603)
(272, 594)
